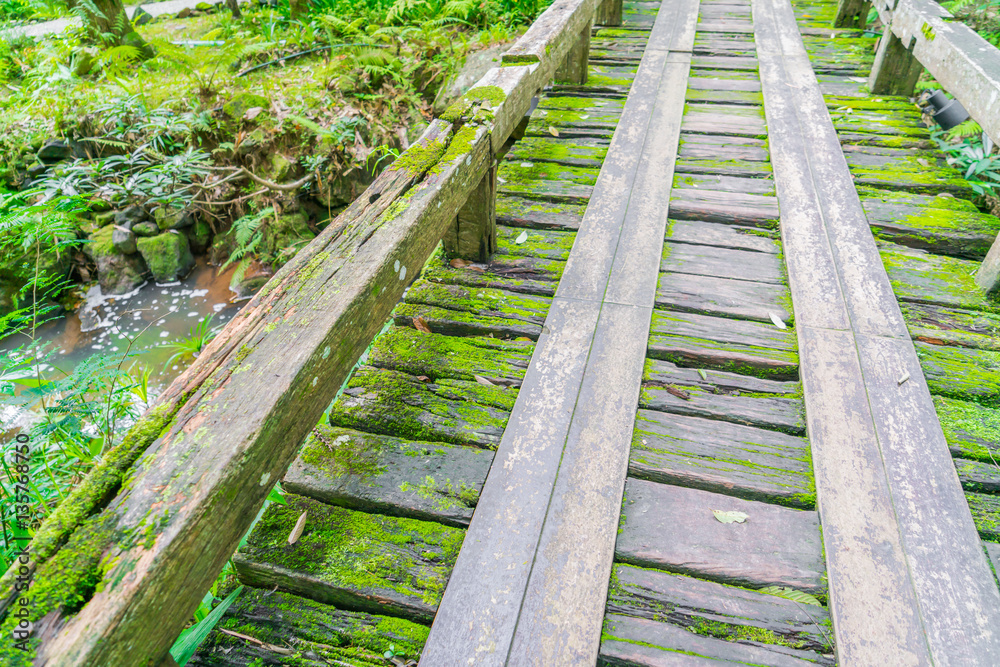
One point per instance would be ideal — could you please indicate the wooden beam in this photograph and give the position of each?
(852, 14)
(609, 13)
(895, 71)
(473, 236)
(573, 71)
(988, 275)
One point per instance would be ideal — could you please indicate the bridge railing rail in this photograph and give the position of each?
(121, 565)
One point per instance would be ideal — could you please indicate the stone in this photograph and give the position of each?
(168, 255)
(459, 83)
(281, 168)
(172, 218)
(36, 170)
(116, 273)
(128, 217)
(54, 150)
(184, 13)
(241, 102)
(123, 240)
(222, 247)
(141, 17)
(145, 229)
(246, 283)
(104, 218)
(290, 230)
(204, 7)
(199, 236)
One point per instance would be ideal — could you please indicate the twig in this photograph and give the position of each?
(234, 201)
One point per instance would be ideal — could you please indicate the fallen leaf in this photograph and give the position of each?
(791, 594)
(857, 79)
(553, 131)
(300, 525)
(481, 380)
(521, 238)
(477, 269)
(252, 113)
(730, 517)
(420, 324)
(459, 263)
(423, 378)
(679, 393)
(903, 378)
(926, 163)
(703, 374)
(523, 338)
(777, 321)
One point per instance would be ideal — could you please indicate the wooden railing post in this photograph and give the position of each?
(988, 275)
(895, 71)
(609, 13)
(574, 69)
(852, 14)
(473, 235)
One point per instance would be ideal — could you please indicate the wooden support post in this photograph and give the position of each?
(574, 70)
(852, 14)
(609, 13)
(988, 275)
(895, 71)
(473, 235)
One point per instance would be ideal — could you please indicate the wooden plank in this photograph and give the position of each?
(972, 431)
(706, 260)
(731, 459)
(533, 214)
(733, 345)
(957, 233)
(273, 619)
(725, 207)
(674, 529)
(727, 184)
(721, 167)
(723, 236)
(978, 476)
(775, 413)
(940, 325)
(986, 515)
(717, 382)
(724, 297)
(331, 561)
(922, 277)
(706, 146)
(536, 243)
(384, 475)
(962, 373)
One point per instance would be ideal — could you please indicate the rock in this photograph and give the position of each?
(123, 239)
(104, 218)
(459, 83)
(199, 236)
(184, 13)
(204, 7)
(116, 273)
(172, 218)
(135, 39)
(281, 168)
(36, 170)
(98, 205)
(168, 256)
(145, 229)
(290, 230)
(243, 102)
(222, 247)
(130, 216)
(340, 190)
(254, 277)
(54, 150)
(84, 60)
(141, 17)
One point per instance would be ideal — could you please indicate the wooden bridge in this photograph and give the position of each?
(705, 373)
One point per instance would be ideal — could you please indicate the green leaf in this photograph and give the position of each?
(730, 517)
(791, 594)
(276, 495)
(191, 639)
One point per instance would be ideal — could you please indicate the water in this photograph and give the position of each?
(141, 322)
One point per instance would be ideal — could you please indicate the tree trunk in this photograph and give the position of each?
(110, 26)
(234, 7)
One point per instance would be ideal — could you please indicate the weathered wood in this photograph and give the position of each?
(986, 514)
(726, 207)
(717, 382)
(727, 184)
(753, 348)
(978, 476)
(972, 431)
(708, 295)
(574, 69)
(725, 612)
(723, 236)
(383, 475)
(520, 212)
(957, 233)
(675, 529)
(609, 13)
(708, 260)
(707, 146)
(456, 310)
(727, 119)
(333, 562)
(895, 71)
(962, 373)
(988, 274)
(940, 325)
(526, 278)
(852, 13)
(731, 459)
(577, 152)
(316, 631)
(545, 181)
(473, 236)
(397, 404)
(545, 244)
(922, 277)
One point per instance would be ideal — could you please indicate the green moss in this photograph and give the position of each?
(418, 158)
(962, 373)
(971, 430)
(339, 452)
(459, 146)
(519, 59)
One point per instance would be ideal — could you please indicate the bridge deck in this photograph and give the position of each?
(711, 434)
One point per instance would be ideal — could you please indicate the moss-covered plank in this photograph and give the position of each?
(890, 124)
(986, 514)
(725, 297)
(464, 323)
(752, 348)
(356, 561)
(962, 373)
(513, 312)
(978, 476)
(725, 207)
(745, 82)
(943, 231)
(531, 213)
(722, 167)
(582, 104)
(402, 405)
(522, 267)
(675, 529)
(906, 173)
(725, 119)
(909, 203)
(727, 96)
(922, 277)
(726, 61)
(272, 627)
(716, 610)
(727, 184)
(731, 459)
(707, 146)
(940, 325)
(384, 475)
(526, 282)
(546, 181)
(576, 152)
(436, 356)
(717, 382)
(541, 243)
(710, 260)
(972, 431)
(723, 236)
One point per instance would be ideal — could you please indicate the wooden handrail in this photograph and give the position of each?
(121, 565)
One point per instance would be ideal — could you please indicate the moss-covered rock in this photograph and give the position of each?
(145, 229)
(117, 273)
(242, 102)
(172, 218)
(199, 236)
(168, 256)
(289, 231)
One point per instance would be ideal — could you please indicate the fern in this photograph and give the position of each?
(248, 234)
(791, 594)
(968, 128)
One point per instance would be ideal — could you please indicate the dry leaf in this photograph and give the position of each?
(926, 163)
(730, 517)
(420, 324)
(252, 113)
(777, 321)
(903, 378)
(459, 263)
(423, 378)
(481, 380)
(477, 269)
(300, 525)
(521, 238)
(553, 131)
(679, 393)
